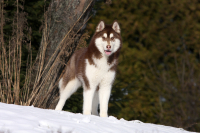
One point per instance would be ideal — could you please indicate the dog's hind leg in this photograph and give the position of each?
(67, 91)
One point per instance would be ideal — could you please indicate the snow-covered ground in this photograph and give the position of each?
(28, 119)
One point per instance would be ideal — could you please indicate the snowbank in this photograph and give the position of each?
(28, 119)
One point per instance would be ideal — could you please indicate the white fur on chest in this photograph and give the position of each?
(98, 72)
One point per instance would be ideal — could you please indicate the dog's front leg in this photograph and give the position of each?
(104, 92)
(104, 95)
(88, 95)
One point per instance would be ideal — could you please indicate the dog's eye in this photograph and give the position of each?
(112, 38)
(103, 37)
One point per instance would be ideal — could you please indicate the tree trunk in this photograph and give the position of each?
(64, 22)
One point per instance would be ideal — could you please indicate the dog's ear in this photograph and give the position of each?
(116, 27)
(100, 26)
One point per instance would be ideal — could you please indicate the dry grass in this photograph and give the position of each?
(10, 58)
(40, 86)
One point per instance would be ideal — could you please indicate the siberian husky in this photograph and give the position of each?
(94, 68)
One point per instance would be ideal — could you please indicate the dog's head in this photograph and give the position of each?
(108, 38)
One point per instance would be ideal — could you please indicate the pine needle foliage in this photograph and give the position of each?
(158, 74)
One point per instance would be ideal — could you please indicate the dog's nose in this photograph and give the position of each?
(108, 47)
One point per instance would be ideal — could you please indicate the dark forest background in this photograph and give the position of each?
(158, 79)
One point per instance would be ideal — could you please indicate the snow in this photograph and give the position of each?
(29, 119)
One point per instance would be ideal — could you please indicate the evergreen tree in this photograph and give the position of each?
(35, 10)
(158, 72)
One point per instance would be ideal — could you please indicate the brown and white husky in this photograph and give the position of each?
(94, 68)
